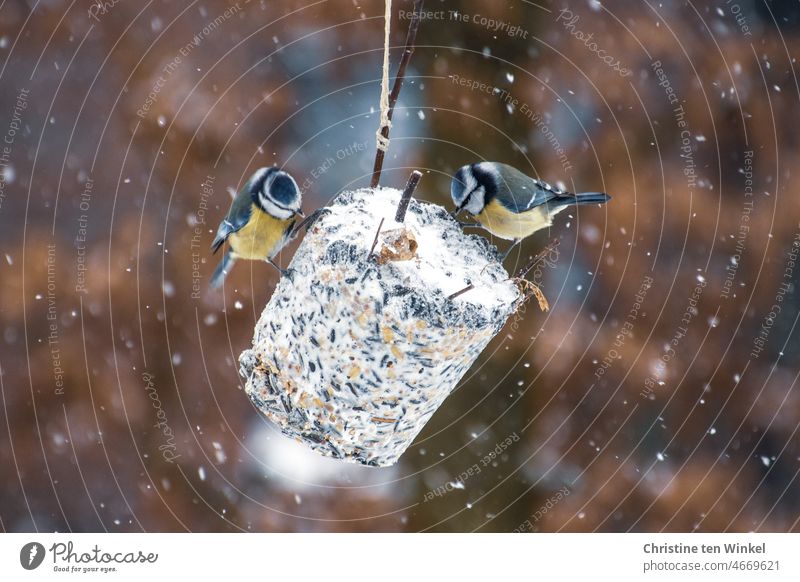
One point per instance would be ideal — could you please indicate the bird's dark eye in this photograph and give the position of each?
(283, 190)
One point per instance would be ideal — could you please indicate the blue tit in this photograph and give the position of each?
(260, 222)
(510, 204)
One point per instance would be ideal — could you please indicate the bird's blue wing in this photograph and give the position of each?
(555, 197)
(542, 193)
(519, 193)
(238, 216)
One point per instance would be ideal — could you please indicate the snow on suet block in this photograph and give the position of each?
(355, 351)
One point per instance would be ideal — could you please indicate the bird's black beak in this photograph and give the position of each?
(301, 213)
(460, 207)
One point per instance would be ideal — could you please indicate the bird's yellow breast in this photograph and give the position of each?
(261, 238)
(502, 222)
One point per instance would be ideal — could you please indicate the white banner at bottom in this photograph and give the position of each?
(395, 557)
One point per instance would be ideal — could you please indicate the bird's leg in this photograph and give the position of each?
(308, 221)
(454, 216)
(511, 248)
(284, 272)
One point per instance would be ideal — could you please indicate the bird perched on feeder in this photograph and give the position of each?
(261, 220)
(510, 204)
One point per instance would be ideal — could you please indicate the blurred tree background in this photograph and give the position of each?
(660, 391)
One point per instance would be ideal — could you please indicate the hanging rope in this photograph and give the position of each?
(383, 142)
(387, 108)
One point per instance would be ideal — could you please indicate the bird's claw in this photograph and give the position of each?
(309, 221)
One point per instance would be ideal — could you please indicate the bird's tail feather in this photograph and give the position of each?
(222, 270)
(592, 198)
(585, 198)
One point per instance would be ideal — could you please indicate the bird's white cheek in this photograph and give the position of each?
(275, 211)
(476, 202)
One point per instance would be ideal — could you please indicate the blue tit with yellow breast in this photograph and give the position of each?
(510, 204)
(261, 220)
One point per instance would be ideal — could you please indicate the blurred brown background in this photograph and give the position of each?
(122, 408)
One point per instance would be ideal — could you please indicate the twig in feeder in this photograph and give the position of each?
(537, 259)
(375, 242)
(464, 290)
(383, 140)
(529, 290)
(405, 199)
